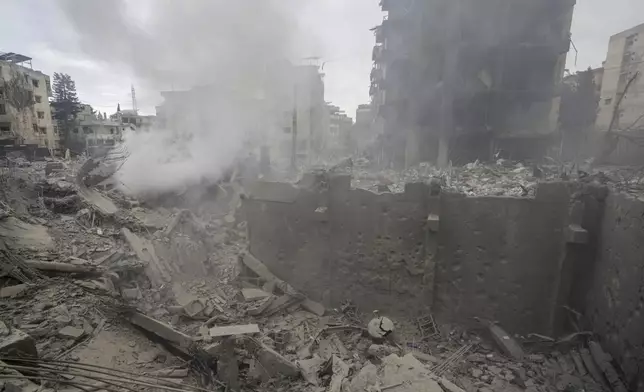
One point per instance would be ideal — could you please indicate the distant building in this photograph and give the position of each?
(339, 142)
(459, 80)
(92, 130)
(25, 114)
(134, 119)
(624, 59)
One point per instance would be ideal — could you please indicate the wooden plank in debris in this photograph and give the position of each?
(156, 270)
(508, 345)
(232, 330)
(262, 271)
(592, 367)
(161, 329)
(603, 362)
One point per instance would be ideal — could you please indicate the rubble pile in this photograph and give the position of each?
(101, 291)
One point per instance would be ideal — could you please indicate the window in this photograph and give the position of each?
(87, 130)
(5, 129)
(1, 92)
(35, 82)
(41, 115)
(112, 131)
(38, 99)
(35, 126)
(27, 78)
(43, 130)
(75, 130)
(608, 101)
(55, 130)
(3, 109)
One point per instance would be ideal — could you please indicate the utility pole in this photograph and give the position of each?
(294, 132)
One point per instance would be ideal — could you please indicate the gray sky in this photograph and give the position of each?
(335, 30)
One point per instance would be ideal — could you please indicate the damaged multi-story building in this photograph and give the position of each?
(25, 115)
(464, 80)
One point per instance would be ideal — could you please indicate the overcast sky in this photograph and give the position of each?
(336, 30)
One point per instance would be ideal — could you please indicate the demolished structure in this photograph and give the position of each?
(465, 80)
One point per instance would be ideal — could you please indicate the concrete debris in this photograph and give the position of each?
(257, 267)
(449, 386)
(366, 378)
(131, 294)
(70, 332)
(409, 373)
(381, 351)
(161, 330)
(157, 271)
(340, 373)
(603, 361)
(50, 266)
(97, 201)
(254, 294)
(233, 330)
(506, 343)
(273, 363)
(310, 369)
(425, 357)
(17, 344)
(228, 365)
(17, 384)
(17, 234)
(12, 291)
(280, 304)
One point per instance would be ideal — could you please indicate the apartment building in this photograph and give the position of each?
(455, 80)
(624, 65)
(25, 114)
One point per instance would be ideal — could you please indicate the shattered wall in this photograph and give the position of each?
(498, 256)
(342, 244)
(615, 301)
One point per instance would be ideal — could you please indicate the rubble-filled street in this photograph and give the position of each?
(104, 292)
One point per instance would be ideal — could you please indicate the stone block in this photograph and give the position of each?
(70, 332)
(252, 294)
(18, 343)
(575, 234)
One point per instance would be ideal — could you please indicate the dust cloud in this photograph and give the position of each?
(233, 51)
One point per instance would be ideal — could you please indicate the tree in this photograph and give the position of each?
(65, 104)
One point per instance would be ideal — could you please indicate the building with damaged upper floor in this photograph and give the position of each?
(25, 115)
(464, 80)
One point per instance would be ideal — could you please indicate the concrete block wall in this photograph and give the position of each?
(497, 257)
(614, 300)
(500, 258)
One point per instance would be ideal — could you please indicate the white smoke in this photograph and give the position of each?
(237, 49)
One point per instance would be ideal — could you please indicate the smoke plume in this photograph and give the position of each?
(235, 52)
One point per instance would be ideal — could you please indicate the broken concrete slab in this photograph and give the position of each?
(102, 204)
(171, 373)
(12, 291)
(251, 294)
(425, 357)
(70, 332)
(603, 361)
(506, 343)
(157, 271)
(340, 373)
(152, 219)
(17, 344)
(257, 267)
(17, 234)
(273, 363)
(366, 378)
(310, 369)
(131, 294)
(232, 330)
(18, 384)
(449, 386)
(51, 266)
(280, 304)
(411, 374)
(161, 329)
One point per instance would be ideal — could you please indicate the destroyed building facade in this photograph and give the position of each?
(25, 115)
(461, 80)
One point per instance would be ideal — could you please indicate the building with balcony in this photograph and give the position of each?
(25, 114)
(461, 80)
